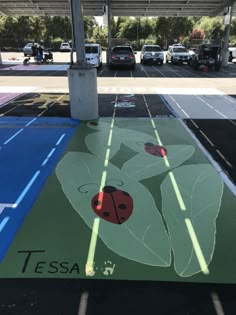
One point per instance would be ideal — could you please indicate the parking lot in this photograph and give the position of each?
(187, 117)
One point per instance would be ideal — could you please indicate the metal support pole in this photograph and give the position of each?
(0, 57)
(225, 56)
(78, 31)
(109, 30)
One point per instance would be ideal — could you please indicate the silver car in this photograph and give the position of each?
(151, 54)
(177, 54)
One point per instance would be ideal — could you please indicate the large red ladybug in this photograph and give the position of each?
(113, 205)
(155, 149)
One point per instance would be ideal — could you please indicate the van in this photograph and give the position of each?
(93, 55)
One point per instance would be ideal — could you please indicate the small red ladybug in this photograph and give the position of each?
(155, 149)
(113, 205)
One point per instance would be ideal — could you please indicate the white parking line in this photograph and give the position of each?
(159, 71)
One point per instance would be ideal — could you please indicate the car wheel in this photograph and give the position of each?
(25, 54)
(190, 62)
(230, 56)
(195, 66)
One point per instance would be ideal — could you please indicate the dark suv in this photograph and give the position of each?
(123, 56)
(208, 55)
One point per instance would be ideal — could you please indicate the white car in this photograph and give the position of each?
(65, 47)
(232, 54)
(151, 54)
(93, 55)
(178, 54)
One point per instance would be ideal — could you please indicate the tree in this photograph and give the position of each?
(173, 27)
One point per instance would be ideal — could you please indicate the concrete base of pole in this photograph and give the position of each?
(83, 93)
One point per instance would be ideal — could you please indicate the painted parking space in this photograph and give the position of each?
(30, 147)
(9, 93)
(32, 67)
(170, 214)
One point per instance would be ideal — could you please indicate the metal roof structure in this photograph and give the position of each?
(139, 8)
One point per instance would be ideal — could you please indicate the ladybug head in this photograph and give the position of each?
(84, 189)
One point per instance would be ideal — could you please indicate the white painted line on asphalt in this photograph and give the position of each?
(220, 113)
(142, 68)
(231, 99)
(159, 71)
(224, 158)
(185, 113)
(215, 164)
(194, 123)
(217, 304)
(205, 136)
(204, 102)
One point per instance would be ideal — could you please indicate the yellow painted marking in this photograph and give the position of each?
(197, 248)
(89, 268)
(92, 247)
(177, 192)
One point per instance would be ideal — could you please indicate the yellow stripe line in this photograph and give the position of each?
(197, 248)
(196, 245)
(89, 268)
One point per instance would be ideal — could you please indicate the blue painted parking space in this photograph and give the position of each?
(29, 149)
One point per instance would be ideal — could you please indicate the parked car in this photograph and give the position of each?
(151, 54)
(27, 50)
(93, 54)
(208, 55)
(177, 54)
(232, 53)
(65, 47)
(122, 56)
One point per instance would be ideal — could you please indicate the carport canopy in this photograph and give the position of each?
(139, 8)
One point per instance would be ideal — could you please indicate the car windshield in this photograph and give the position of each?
(29, 45)
(180, 49)
(122, 50)
(153, 48)
(91, 49)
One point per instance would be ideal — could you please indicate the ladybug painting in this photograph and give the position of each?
(155, 149)
(113, 205)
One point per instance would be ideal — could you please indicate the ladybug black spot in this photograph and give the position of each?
(109, 189)
(106, 214)
(125, 193)
(93, 123)
(122, 218)
(97, 203)
(149, 144)
(122, 206)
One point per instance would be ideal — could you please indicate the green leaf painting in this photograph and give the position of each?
(111, 137)
(201, 189)
(191, 197)
(144, 165)
(142, 237)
